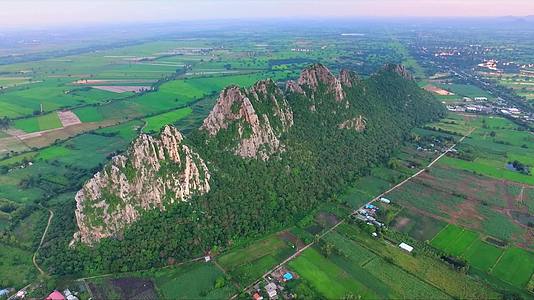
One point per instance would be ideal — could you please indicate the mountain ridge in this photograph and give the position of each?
(253, 124)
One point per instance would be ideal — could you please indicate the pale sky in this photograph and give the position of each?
(15, 13)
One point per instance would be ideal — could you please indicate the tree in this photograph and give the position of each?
(220, 282)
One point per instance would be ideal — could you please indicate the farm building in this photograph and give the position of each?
(406, 247)
(385, 200)
(271, 289)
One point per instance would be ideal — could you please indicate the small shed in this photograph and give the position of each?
(406, 247)
(257, 296)
(385, 200)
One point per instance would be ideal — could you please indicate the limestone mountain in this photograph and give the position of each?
(255, 117)
(154, 173)
(323, 131)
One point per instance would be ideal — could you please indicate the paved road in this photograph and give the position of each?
(355, 211)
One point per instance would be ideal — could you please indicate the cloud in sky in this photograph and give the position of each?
(56, 12)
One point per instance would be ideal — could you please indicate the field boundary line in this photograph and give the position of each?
(144, 270)
(439, 232)
(490, 271)
(236, 284)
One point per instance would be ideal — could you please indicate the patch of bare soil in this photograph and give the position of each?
(326, 219)
(401, 223)
(287, 236)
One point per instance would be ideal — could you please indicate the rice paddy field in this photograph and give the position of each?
(248, 263)
(459, 206)
(361, 266)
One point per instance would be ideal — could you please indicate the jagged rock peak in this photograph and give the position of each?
(348, 78)
(154, 173)
(258, 131)
(399, 69)
(317, 74)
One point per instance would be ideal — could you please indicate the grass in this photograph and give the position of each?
(420, 227)
(16, 268)
(465, 90)
(250, 262)
(39, 123)
(192, 281)
(326, 277)
(428, 269)
(85, 151)
(487, 168)
(89, 114)
(155, 123)
(482, 255)
(454, 240)
(515, 266)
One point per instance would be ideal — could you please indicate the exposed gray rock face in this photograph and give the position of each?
(399, 69)
(318, 74)
(357, 124)
(348, 78)
(260, 113)
(155, 173)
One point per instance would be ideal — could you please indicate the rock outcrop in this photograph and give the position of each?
(260, 113)
(313, 77)
(357, 124)
(399, 69)
(348, 78)
(155, 173)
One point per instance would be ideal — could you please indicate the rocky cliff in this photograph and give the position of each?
(250, 122)
(260, 114)
(154, 173)
(399, 69)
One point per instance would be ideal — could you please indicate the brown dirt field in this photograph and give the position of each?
(110, 81)
(437, 90)
(9, 144)
(68, 118)
(477, 190)
(291, 238)
(125, 288)
(400, 223)
(46, 138)
(326, 219)
(121, 88)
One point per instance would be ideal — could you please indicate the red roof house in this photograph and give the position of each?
(55, 295)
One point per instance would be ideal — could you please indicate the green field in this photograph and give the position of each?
(325, 276)
(16, 268)
(465, 90)
(155, 123)
(420, 227)
(515, 266)
(40, 123)
(482, 255)
(192, 281)
(454, 240)
(250, 262)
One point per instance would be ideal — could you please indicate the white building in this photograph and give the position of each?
(406, 247)
(385, 200)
